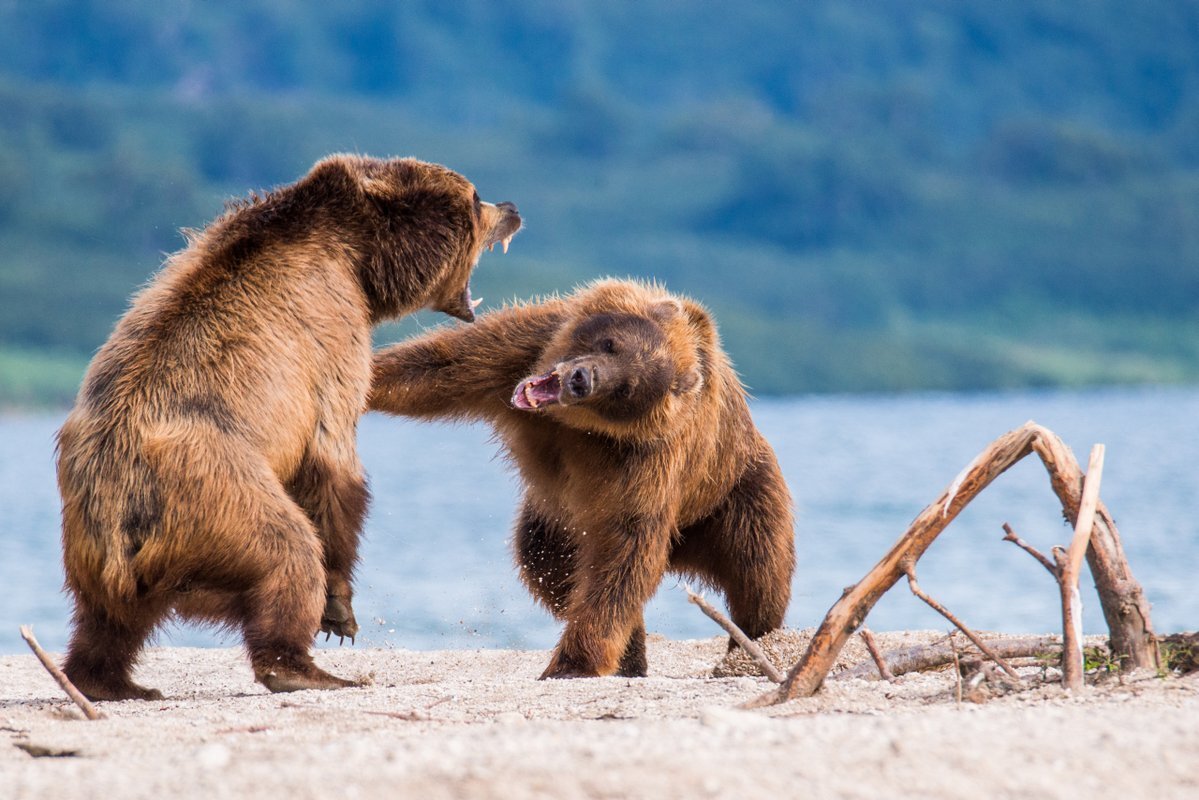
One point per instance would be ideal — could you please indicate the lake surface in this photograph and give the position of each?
(437, 572)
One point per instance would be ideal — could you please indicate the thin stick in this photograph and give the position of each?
(957, 668)
(407, 716)
(884, 671)
(747, 644)
(84, 704)
(971, 635)
(1009, 535)
(1072, 657)
(1070, 563)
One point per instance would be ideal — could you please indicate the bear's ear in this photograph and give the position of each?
(690, 381)
(700, 322)
(666, 310)
(337, 170)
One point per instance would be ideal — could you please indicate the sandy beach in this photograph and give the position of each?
(463, 723)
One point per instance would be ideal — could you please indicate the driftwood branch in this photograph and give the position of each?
(933, 656)
(1124, 604)
(847, 614)
(884, 671)
(1125, 608)
(910, 570)
(1086, 509)
(1069, 565)
(84, 704)
(747, 644)
(1009, 535)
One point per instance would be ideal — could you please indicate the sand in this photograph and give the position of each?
(454, 724)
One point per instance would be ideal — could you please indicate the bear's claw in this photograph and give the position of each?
(339, 619)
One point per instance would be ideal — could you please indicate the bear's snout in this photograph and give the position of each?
(580, 382)
(504, 221)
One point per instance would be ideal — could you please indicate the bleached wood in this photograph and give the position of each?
(1123, 601)
(1069, 564)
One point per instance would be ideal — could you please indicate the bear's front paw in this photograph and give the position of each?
(339, 619)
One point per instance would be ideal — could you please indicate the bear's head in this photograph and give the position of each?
(419, 229)
(629, 357)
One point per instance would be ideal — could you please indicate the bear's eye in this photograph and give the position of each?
(608, 346)
(622, 392)
(478, 204)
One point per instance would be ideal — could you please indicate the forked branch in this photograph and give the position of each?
(1124, 604)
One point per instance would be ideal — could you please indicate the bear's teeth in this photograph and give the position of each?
(475, 303)
(532, 400)
(507, 241)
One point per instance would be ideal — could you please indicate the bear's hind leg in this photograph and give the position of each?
(283, 608)
(336, 502)
(634, 664)
(259, 550)
(103, 651)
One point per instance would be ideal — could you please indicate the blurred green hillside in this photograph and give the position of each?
(871, 196)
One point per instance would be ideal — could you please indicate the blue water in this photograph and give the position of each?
(436, 570)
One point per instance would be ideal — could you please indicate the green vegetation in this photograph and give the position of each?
(871, 197)
(1180, 653)
(30, 378)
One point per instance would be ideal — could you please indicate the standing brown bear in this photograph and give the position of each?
(209, 467)
(638, 454)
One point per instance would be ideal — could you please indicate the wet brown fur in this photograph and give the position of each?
(614, 500)
(209, 467)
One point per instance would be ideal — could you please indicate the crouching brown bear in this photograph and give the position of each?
(637, 452)
(209, 467)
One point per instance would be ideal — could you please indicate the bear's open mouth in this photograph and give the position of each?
(505, 227)
(533, 393)
(504, 242)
